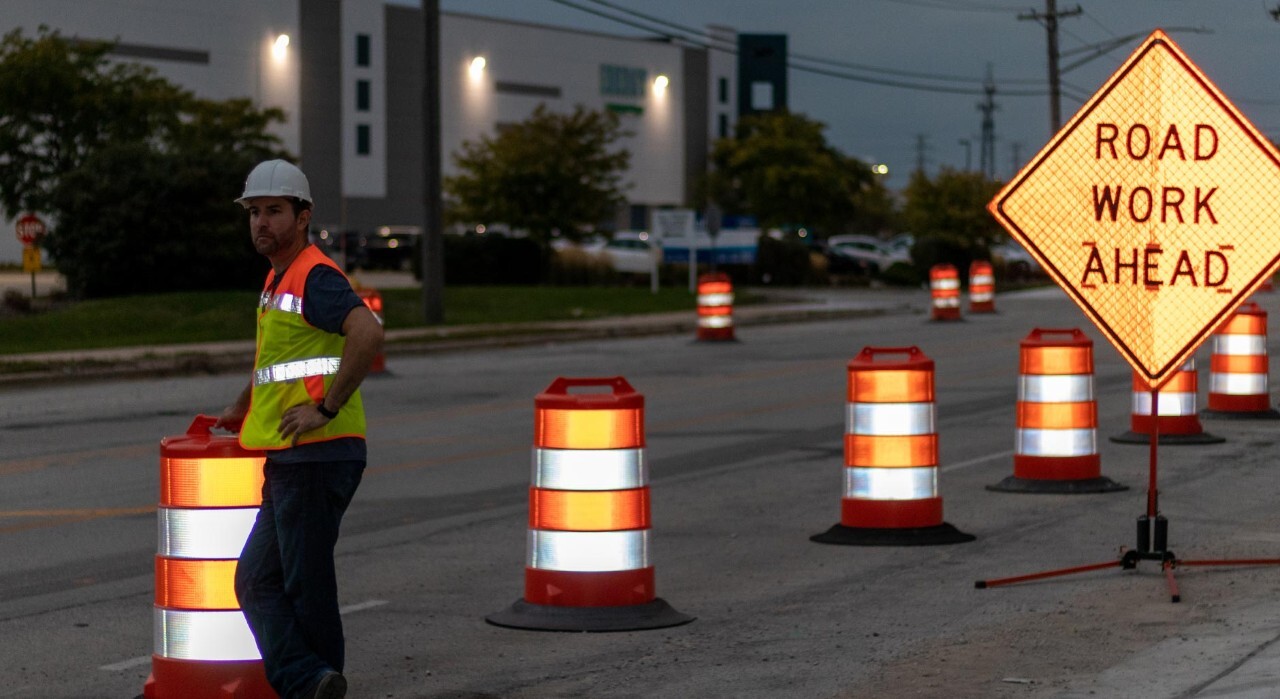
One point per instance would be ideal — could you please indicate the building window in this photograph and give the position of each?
(362, 139)
(722, 125)
(724, 90)
(362, 95)
(362, 50)
(762, 96)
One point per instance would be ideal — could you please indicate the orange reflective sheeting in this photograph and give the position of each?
(1182, 382)
(194, 584)
(715, 288)
(890, 452)
(1242, 324)
(589, 429)
(1057, 360)
(223, 482)
(1057, 416)
(715, 310)
(891, 386)
(579, 510)
(1238, 363)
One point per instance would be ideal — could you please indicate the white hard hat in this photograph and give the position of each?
(275, 178)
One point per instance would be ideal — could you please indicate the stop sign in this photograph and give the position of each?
(30, 228)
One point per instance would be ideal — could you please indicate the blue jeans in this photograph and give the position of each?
(285, 580)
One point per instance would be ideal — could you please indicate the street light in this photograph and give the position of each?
(280, 49)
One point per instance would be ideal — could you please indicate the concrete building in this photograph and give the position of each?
(348, 75)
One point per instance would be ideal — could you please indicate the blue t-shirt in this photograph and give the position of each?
(327, 301)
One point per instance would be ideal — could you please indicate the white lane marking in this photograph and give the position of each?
(126, 664)
(979, 460)
(144, 659)
(361, 606)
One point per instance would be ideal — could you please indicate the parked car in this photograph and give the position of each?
(629, 255)
(861, 254)
(343, 247)
(594, 243)
(899, 248)
(391, 247)
(1018, 263)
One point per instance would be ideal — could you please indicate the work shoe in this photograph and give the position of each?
(332, 685)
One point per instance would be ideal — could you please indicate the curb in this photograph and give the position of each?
(223, 357)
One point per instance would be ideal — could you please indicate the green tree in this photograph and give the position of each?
(60, 100)
(137, 175)
(779, 168)
(948, 216)
(550, 172)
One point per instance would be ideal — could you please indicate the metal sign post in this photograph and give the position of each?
(30, 230)
(1157, 209)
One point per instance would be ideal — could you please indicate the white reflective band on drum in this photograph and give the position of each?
(292, 371)
(896, 419)
(981, 279)
(1239, 344)
(187, 635)
(952, 302)
(1059, 388)
(715, 299)
(1235, 385)
(890, 483)
(282, 302)
(589, 469)
(588, 552)
(1038, 442)
(946, 284)
(715, 321)
(981, 296)
(209, 533)
(1171, 404)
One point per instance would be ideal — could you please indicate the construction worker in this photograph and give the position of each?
(316, 341)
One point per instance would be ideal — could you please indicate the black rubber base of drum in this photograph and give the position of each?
(1132, 437)
(868, 536)
(1083, 486)
(1268, 414)
(542, 617)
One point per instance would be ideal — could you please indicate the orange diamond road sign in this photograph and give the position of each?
(1157, 208)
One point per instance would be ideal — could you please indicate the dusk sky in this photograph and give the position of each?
(926, 49)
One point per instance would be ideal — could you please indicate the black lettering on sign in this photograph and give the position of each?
(1125, 264)
(1140, 203)
(1138, 139)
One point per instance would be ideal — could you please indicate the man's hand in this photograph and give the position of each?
(301, 419)
(233, 417)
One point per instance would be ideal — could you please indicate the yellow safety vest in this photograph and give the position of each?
(295, 363)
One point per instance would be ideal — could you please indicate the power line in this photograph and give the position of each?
(794, 62)
(703, 36)
(956, 5)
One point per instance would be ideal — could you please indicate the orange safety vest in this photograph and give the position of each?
(295, 363)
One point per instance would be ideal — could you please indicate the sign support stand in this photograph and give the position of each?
(1148, 548)
(1119, 141)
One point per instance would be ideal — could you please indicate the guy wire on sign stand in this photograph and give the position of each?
(1151, 545)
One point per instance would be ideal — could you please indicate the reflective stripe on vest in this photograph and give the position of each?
(292, 371)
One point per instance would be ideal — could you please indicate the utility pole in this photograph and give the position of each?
(987, 148)
(1049, 20)
(432, 229)
(921, 146)
(968, 154)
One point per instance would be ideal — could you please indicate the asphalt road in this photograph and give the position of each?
(744, 442)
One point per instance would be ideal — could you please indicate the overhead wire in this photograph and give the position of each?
(798, 62)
